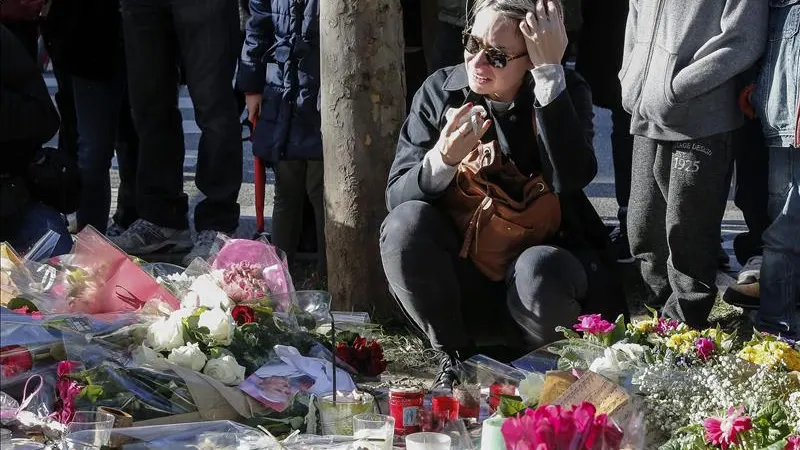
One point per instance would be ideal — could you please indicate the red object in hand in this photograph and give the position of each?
(14, 360)
(496, 391)
(445, 408)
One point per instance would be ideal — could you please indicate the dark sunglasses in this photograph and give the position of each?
(496, 57)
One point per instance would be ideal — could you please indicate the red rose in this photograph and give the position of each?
(14, 360)
(243, 314)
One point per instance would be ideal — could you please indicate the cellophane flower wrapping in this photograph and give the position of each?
(103, 279)
(212, 435)
(251, 270)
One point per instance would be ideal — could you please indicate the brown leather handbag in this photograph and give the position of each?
(500, 211)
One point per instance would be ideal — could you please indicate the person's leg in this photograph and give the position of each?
(287, 211)
(65, 102)
(419, 249)
(97, 103)
(752, 168)
(208, 37)
(622, 154)
(544, 286)
(695, 206)
(647, 217)
(316, 192)
(780, 270)
(127, 160)
(150, 49)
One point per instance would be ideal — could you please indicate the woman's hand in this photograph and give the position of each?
(545, 35)
(253, 102)
(459, 139)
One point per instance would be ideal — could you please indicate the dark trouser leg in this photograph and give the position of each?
(128, 161)
(647, 216)
(695, 207)
(97, 104)
(622, 153)
(208, 36)
(27, 31)
(316, 193)
(544, 286)
(780, 270)
(752, 167)
(419, 250)
(150, 48)
(65, 102)
(448, 50)
(287, 211)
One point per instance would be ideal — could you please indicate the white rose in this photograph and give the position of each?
(225, 369)
(530, 388)
(607, 365)
(165, 334)
(633, 352)
(220, 326)
(209, 294)
(189, 356)
(142, 354)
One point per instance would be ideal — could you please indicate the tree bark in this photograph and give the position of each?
(363, 108)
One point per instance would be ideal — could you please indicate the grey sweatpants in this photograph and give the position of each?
(678, 197)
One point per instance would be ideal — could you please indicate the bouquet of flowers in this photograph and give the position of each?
(553, 427)
(363, 355)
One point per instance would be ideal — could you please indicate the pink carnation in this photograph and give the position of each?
(724, 431)
(793, 443)
(244, 281)
(704, 348)
(666, 325)
(593, 324)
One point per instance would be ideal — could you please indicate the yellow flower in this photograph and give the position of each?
(683, 342)
(774, 354)
(644, 326)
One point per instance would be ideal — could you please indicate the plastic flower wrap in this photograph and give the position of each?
(251, 270)
(103, 279)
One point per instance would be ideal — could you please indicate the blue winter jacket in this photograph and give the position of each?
(280, 58)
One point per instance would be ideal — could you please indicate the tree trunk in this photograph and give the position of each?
(363, 107)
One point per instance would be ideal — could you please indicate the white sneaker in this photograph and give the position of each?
(204, 245)
(751, 272)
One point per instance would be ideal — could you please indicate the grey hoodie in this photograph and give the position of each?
(680, 60)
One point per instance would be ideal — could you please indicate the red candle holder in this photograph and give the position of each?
(445, 408)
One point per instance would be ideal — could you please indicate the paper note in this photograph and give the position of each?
(604, 394)
(555, 384)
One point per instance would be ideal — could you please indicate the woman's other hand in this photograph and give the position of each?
(545, 35)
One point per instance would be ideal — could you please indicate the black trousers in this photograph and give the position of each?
(456, 306)
(203, 37)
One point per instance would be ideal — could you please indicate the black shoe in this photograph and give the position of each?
(448, 374)
(621, 246)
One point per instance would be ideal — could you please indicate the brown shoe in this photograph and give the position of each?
(746, 296)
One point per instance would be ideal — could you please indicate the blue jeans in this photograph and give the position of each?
(97, 105)
(31, 223)
(780, 269)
